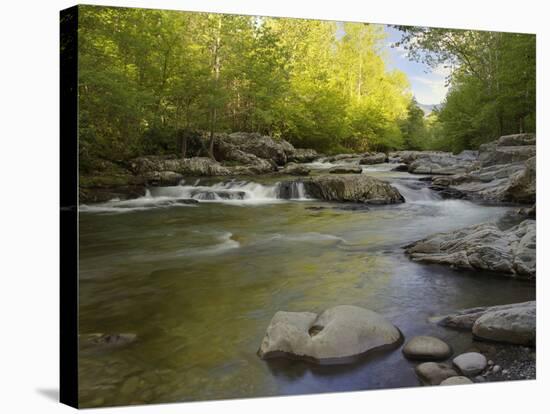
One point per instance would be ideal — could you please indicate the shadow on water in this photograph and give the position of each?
(293, 368)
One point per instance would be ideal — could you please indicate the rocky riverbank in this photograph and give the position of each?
(482, 247)
(503, 348)
(501, 171)
(506, 173)
(505, 335)
(435, 162)
(238, 154)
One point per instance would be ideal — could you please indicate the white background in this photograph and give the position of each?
(29, 205)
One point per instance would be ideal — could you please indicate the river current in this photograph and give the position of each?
(199, 283)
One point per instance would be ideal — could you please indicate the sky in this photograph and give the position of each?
(427, 84)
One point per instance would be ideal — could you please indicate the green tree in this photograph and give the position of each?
(492, 83)
(147, 75)
(414, 128)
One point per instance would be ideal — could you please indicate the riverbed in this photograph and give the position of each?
(199, 283)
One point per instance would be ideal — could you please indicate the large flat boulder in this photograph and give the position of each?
(248, 148)
(482, 247)
(409, 156)
(465, 318)
(262, 146)
(253, 164)
(338, 335)
(359, 188)
(343, 157)
(196, 166)
(373, 158)
(345, 169)
(513, 323)
(517, 140)
(444, 163)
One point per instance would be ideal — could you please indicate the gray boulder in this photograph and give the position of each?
(197, 166)
(259, 145)
(240, 146)
(303, 155)
(456, 381)
(514, 325)
(466, 318)
(482, 247)
(426, 348)
(470, 363)
(508, 149)
(432, 373)
(359, 188)
(373, 158)
(335, 336)
(230, 153)
(252, 163)
(342, 157)
(162, 178)
(344, 169)
(443, 163)
(517, 140)
(407, 157)
(295, 169)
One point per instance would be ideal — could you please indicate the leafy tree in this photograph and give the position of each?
(414, 129)
(492, 83)
(149, 78)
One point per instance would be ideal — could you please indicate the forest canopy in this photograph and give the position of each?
(146, 74)
(492, 83)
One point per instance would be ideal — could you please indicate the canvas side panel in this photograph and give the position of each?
(69, 206)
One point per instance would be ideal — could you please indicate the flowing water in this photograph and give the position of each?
(198, 283)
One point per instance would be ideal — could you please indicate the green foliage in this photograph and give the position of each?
(146, 74)
(414, 129)
(492, 83)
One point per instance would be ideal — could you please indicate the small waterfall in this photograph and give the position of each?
(229, 192)
(220, 192)
(415, 191)
(291, 190)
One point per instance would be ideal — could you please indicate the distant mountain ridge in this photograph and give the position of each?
(427, 108)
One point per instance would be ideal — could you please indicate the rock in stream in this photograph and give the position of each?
(338, 335)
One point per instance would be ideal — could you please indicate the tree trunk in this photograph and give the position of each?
(521, 122)
(184, 147)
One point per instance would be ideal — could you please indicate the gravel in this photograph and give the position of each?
(511, 363)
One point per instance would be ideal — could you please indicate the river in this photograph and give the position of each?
(199, 283)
